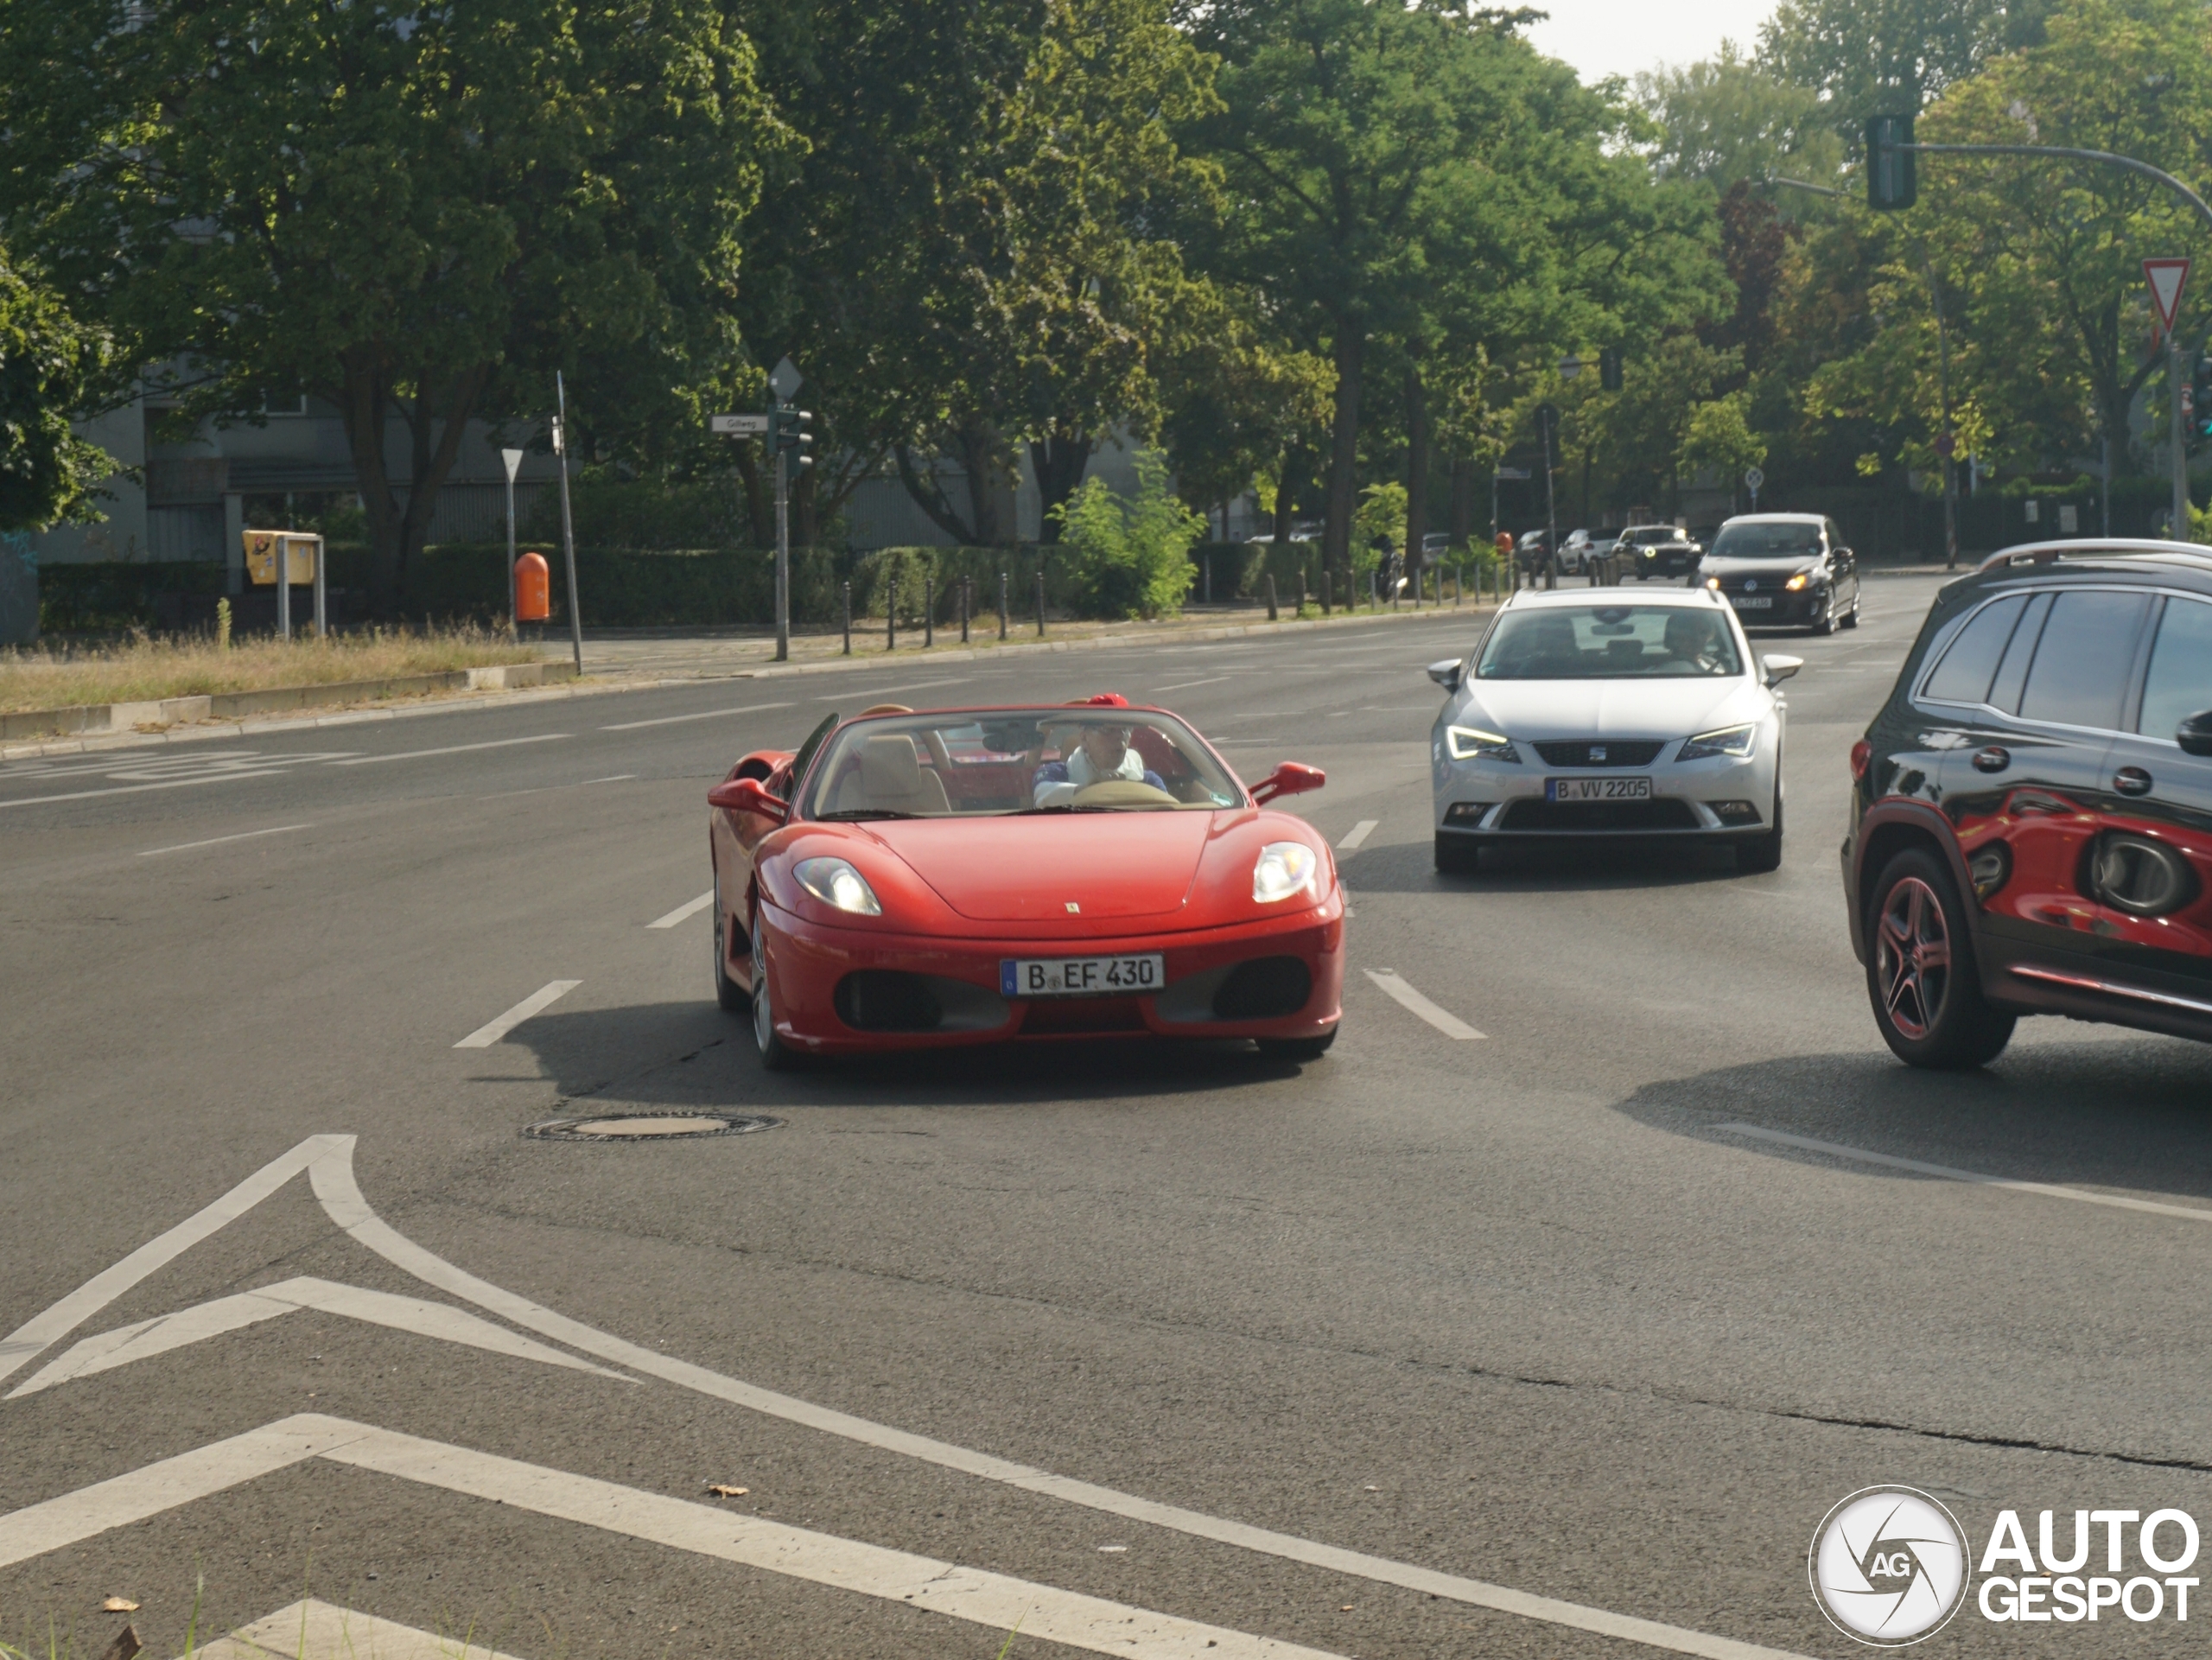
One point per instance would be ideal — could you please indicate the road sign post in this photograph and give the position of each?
(2166, 278)
(512, 458)
(567, 522)
(1548, 425)
(1753, 478)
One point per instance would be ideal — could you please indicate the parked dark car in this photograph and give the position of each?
(2032, 815)
(1658, 550)
(1784, 570)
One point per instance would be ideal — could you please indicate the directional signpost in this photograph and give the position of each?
(2167, 278)
(785, 427)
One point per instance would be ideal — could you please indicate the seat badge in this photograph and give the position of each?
(1074, 910)
(1597, 752)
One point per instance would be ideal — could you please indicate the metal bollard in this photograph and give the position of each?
(966, 583)
(1271, 596)
(891, 617)
(928, 609)
(1001, 605)
(848, 619)
(1040, 598)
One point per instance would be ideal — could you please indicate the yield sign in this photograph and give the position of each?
(2165, 277)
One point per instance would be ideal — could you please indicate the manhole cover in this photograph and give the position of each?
(648, 1126)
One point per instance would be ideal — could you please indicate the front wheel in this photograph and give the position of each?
(776, 1055)
(1920, 971)
(1764, 852)
(1852, 620)
(1296, 1048)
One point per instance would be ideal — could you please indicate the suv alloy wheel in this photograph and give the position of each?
(1921, 976)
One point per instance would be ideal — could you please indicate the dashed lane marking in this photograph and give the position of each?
(1975, 1178)
(544, 998)
(1357, 835)
(997, 1601)
(217, 841)
(1451, 1025)
(704, 715)
(451, 749)
(684, 911)
(850, 696)
(1184, 685)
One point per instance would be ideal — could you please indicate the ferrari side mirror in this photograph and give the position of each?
(1445, 674)
(749, 795)
(1291, 777)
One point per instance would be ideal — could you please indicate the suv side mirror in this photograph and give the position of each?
(1291, 777)
(749, 795)
(1780, 668)
(1445, 674)
(2195, 734)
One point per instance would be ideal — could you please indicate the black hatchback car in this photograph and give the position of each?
(1784, 570)
(2032, 817)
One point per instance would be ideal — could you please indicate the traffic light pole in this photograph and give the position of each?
(783, 556)
(2180, 532)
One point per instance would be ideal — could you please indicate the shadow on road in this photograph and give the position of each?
(2132, 1113)
(1409, 868)
(691, 1054)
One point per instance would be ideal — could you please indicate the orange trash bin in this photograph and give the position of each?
(533, 589)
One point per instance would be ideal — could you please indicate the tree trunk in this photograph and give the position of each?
(1463, 502)
(983, 456)
(929, 495)
(756, 470)
(1344, 451)
(397, 534)
(1416, 477)
(1286, 516)
(1059, 461)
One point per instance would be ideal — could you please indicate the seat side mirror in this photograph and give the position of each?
(1291, 777)
(749, 795)
(1446, 673)
(1780, 668)
(2195, 734)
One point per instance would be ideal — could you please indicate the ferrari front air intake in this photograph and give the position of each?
(1263, 989)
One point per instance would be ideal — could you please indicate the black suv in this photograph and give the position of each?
(1658, 551)
(2032, 820)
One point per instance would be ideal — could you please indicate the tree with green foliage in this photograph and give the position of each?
(51, 367)
(1872, 57)
(1727, 120)
(415, 210)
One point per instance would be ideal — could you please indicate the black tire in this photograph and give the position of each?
(1921, 975)
(1296, 1048)
(776, 1055)
(1458, 856)
(1827, 625)
(730, 994)
(1763, 853)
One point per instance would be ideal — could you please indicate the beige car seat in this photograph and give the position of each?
(891, 779)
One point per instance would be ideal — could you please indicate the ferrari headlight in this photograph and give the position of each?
(1468, 742)
(1285, 869)
(1796, 584)
(1726, 740)
(835, 882)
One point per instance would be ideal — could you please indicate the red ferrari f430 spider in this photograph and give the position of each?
(911, 880)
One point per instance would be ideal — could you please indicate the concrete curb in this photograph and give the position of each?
(126, 717)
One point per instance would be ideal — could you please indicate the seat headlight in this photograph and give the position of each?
(1285, 869)
(1470, 742)
(1726, 740)
(836, 883)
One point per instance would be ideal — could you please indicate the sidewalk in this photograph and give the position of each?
(623, 660)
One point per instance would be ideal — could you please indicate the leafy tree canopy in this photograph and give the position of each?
(51, 367)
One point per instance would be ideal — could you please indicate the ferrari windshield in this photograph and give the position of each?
(1075, 758)
(1782, 541)
(1609, 642)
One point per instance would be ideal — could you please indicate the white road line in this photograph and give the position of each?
(684, 911)
(329, 1163)
(1976, 1178)
(141, 789)
(611, 777)
(312, 1629)
(217, 841)
(1356, 835)
(1451, 1025)
(42, 1330)
(492, 1031)
(997, 1601)
(704, 715)
(163, 1332)
(450, 750)
(1180, 686)
(906, 685)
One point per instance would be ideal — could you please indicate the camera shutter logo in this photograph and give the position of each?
(1888, 1566)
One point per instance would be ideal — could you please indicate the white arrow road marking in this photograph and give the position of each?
(492, 1031)
(314, 1629)
(1358, 834)
(684, 911)
(995, 1601)
(1949, 1172)
(1451, 1025)
(166, 1332)
(448, 749)
(329, 1163)
(704, 714)
(217, 841)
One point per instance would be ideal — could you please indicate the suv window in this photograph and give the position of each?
(1964, 675)
(2083, 660)
(2180, 684)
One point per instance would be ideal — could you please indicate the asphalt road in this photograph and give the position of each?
(1523, 1309)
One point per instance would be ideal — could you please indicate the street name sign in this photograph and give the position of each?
(741, 426)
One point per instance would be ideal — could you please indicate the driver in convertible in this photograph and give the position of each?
(1103, 754)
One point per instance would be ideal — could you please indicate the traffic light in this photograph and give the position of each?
(1892, 180)
(792, 435)
(1609, 369)
(2200, 420)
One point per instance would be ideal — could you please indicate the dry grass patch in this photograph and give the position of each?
(145, 670)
